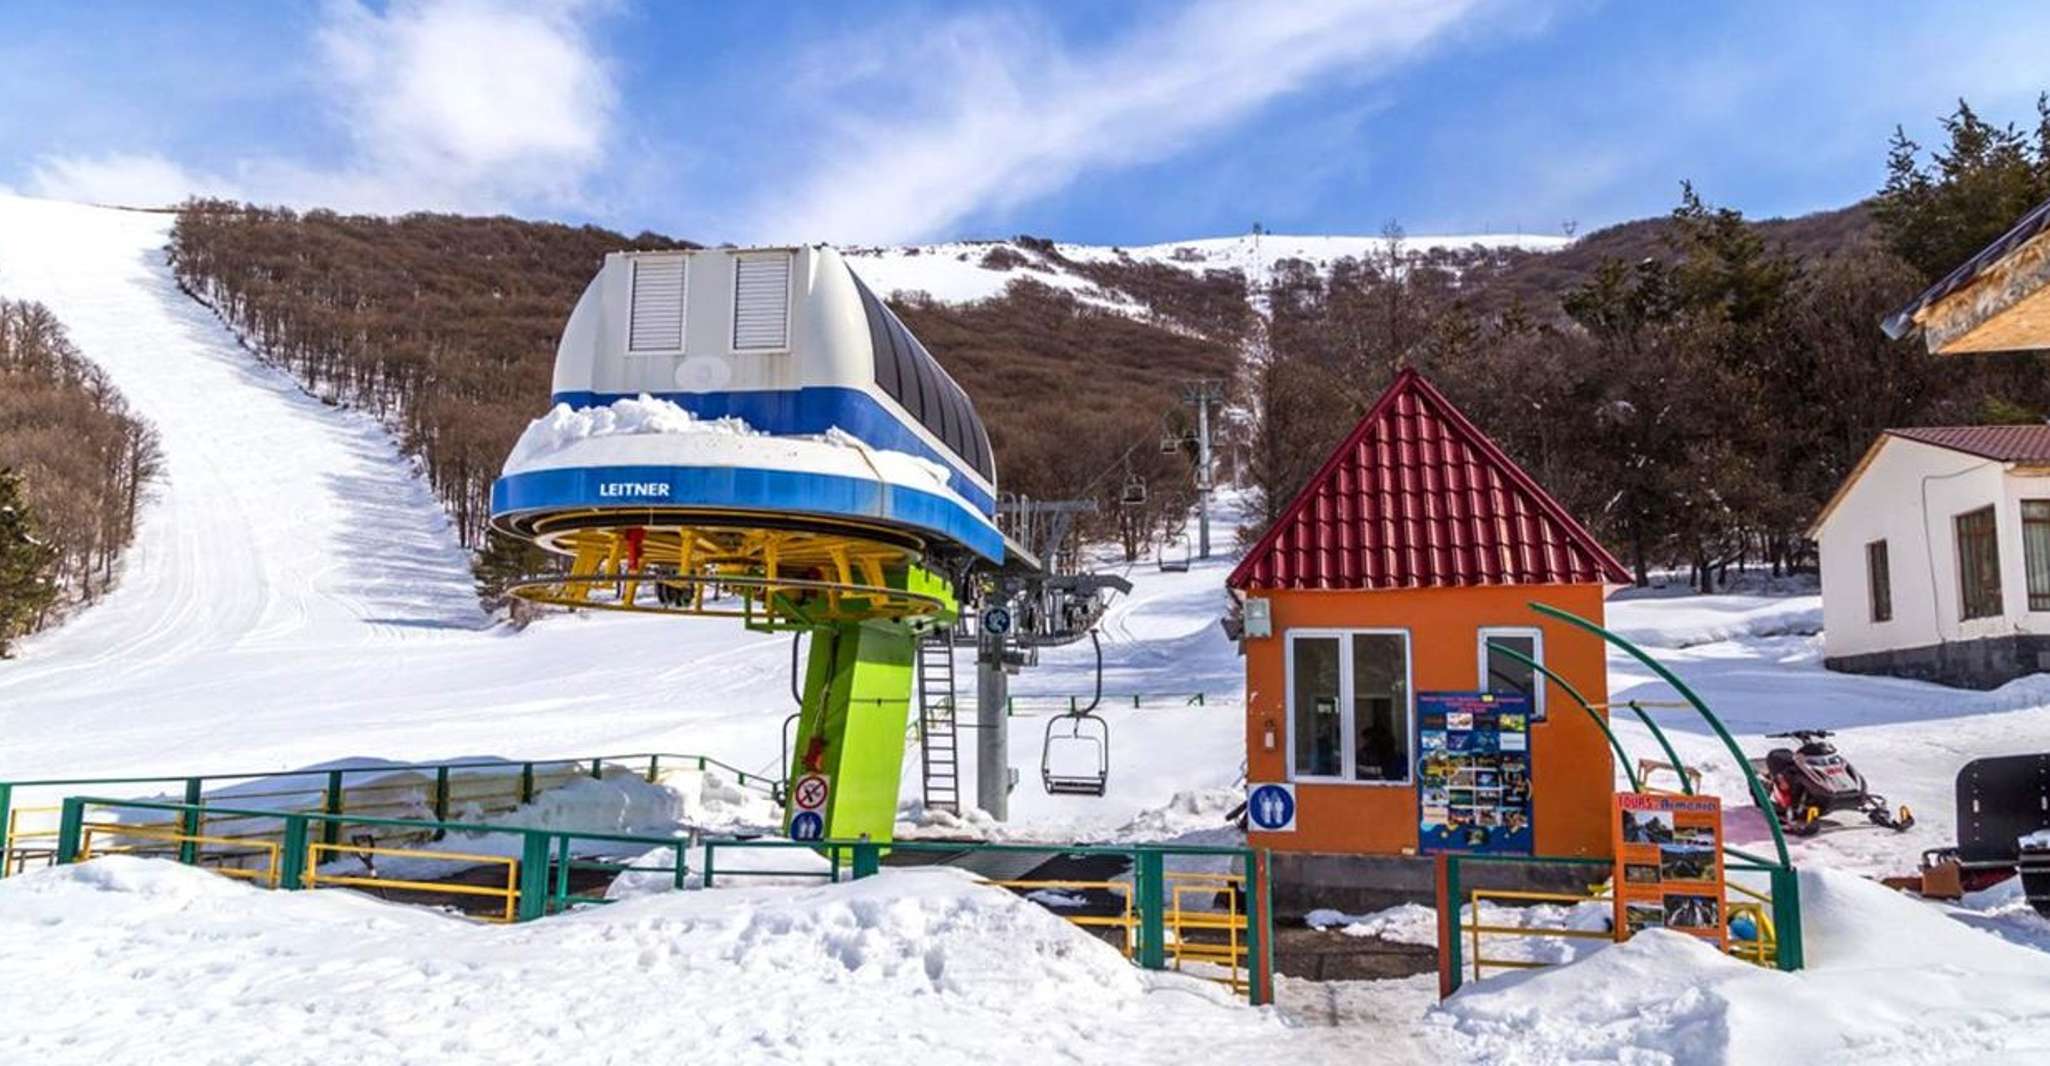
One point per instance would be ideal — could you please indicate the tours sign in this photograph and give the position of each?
(1669, 865)
(1473, 772)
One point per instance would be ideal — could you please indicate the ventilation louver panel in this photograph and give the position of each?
(656, 324)
(761, 302)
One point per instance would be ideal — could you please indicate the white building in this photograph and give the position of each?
(1936, 556)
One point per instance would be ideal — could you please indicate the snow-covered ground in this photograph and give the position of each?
(295, 597)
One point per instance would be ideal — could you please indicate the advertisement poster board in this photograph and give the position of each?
(1669, 865)
(1473, 773)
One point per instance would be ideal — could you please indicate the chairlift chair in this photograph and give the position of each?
(1171, 565)
(1134, 492)
(1086, 736)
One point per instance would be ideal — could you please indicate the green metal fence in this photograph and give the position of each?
(331, 787)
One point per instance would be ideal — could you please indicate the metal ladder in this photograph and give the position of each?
(939, 752)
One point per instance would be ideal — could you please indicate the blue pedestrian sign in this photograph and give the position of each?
(1271, 808)
(996, 621)
(807, 826)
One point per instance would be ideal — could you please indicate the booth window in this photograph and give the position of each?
(1978, 564)
(1503, 673)
(1349, 705)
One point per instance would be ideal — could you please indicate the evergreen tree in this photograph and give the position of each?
(1938, 214)
(26, 564)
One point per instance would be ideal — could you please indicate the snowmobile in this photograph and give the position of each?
(1811, 780)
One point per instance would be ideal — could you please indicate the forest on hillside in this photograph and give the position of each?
(75, 465)
(1695, 400)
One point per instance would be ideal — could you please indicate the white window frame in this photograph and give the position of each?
(789, 300)
(1348, 750)
(1539, 684)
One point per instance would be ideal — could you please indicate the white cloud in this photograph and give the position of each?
(472, 105)
(991, 111)
(139, 180)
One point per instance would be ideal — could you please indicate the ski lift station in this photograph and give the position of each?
(1388, 609)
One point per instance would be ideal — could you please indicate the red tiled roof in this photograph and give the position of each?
(2012, 444)
(1419, 497)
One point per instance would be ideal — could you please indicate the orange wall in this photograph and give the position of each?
(1572, 768)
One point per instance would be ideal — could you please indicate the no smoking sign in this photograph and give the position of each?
(811, 792)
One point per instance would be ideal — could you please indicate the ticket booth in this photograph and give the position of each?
(1385, 619)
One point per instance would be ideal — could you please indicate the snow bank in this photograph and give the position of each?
(1407, 923)
(564, 425)
(566, 435)
(1890, 980)
(1687, 621)
(919, 965)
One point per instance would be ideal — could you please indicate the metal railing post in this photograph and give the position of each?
(598, 769)
(533, 901)
(526, 783)
(708, 864)
(70, 824)
(6, 821)
(440, 800)
(654, 768)
(1786, 917)
(193, 821)
(1260, 931)
(868, 859)
(682, 867)
(1451, 967)
(292, 859)
(561, 900)
(1150, 875)
(330, 829)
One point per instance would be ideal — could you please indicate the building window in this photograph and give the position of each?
(1978, 564)
(1349, 706)
(1879, 582)
(1503, 673)
(2036, 551)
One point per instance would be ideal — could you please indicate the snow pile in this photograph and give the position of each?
(617, 803)
(1890, 980)
(1656, 622)
(1194, 811)
(565, 434)
(1407, 923)
(711, 801)
(564, 426)
(910, 966)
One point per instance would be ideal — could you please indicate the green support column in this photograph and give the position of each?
(1786, 918)
(533, 901)
(868, 860)
(292, 856)
(6, 819)
(857, 699)
(1150, 880)
(192, 820)
(440, 799)
(70, 825)
(562, 859)
(331, 830)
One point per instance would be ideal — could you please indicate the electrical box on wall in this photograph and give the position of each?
(1259, 618)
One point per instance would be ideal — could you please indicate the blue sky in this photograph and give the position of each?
(1107, 122)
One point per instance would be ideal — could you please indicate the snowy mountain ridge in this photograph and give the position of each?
(966, 271)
